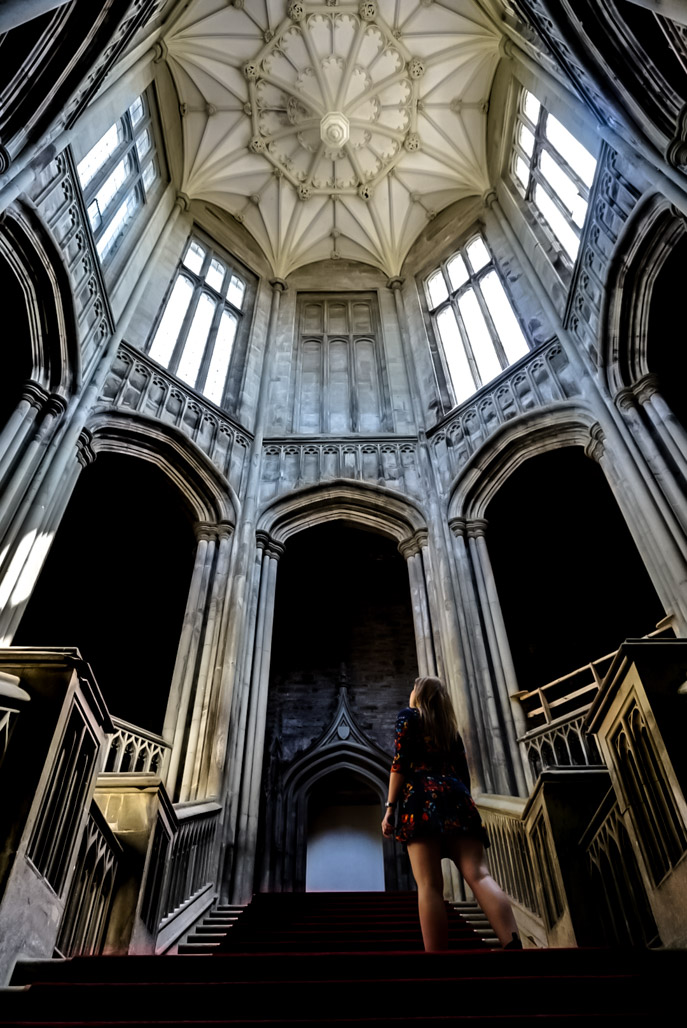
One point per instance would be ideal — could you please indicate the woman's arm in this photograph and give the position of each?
(398, 768)
(395, 786)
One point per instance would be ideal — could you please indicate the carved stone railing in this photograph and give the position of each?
(538, 379)
(85, 919)
(193, 860)
(182, 869)
(555, 714)
(289, 463)
(134, 749)
(617, 886)
(136, 383)
(563, 744)
(509, 854)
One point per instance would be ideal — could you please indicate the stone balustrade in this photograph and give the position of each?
(134, 749)
(136, 383)
(539, 379)
(509, 855)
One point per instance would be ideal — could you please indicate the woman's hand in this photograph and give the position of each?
(388, 823)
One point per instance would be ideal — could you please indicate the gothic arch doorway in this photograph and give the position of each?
(344, 850)
(322, 813)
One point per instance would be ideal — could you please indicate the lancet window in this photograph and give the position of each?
(553, 171)
(196, 333)
(119, 173)
(474, 318)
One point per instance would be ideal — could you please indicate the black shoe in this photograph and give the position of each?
(515, 942)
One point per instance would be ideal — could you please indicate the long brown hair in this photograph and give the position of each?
(436, 710)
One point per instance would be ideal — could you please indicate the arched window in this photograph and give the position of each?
(118, 174)
(195, 336)
(553, 171)
(473, 318)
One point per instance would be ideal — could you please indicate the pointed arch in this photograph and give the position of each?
(648, 239)
(30, 255)
(368, 506)
(515, 442)
(207, 493)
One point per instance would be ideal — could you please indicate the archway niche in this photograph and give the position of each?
(345, 851)
(343, 618)
(570, 581)
(115, 584)
(666, 355)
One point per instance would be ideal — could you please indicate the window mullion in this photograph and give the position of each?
(185, 327)
(210, 344)
(581, 187)
(129, 185)
(498, 346)
(103, 173)
(472, 363)
(554, 197)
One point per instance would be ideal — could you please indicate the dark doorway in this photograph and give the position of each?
(571, 583)
(666, 350)
(115, 584)
(342, 616)
(17, 357)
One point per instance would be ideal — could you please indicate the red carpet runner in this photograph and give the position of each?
(351, 961)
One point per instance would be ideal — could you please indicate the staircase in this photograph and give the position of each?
(350, 960)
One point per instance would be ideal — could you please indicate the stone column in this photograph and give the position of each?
(19, 426)
(247, 827)
(448, 637)
(174, 729)
(511, 715)
(629, 406)
(499, 721)
(225, 776)
(51, 410)
(411, 551)
(665, 424)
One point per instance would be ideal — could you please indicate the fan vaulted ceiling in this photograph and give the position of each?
(333, 129)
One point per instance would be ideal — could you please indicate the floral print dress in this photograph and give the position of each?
(436, 796)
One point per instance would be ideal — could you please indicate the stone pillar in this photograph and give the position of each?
(174, 729)
(666, 426)
(19, 426)
(500, 721)
(247, 826)
(629, 406)
(449, 637)
(50, 414)
(411, 550)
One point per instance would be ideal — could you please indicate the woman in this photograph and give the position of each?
(437, 817)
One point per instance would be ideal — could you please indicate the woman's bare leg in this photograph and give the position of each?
(425, 860)
(469, 857)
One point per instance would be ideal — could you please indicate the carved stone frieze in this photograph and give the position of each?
(137, 384)
(541, 378)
